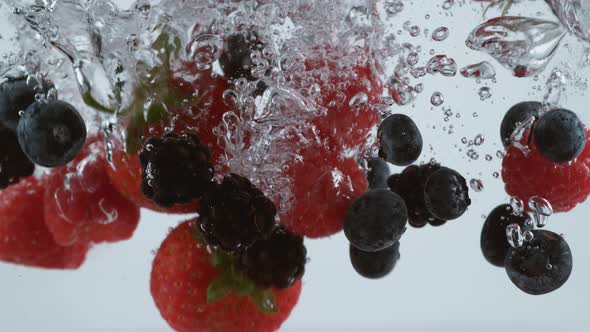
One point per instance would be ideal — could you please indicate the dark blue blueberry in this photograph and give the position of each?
(515, 115)
(494, 244)
(446, 194)
(374, 265)
(560, 136)
(236, 58)
(51, 133)
(376, 220)
(14, 165)
(542, 265)
(401, 141)
(15, 96)
(378, 173)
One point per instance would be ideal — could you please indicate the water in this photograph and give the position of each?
(99, 63)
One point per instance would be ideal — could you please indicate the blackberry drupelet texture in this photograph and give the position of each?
(176, 169)
(235, 214)
(410, 186)
(278, 261)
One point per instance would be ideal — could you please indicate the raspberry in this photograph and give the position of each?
(278, 261)
(563, 185)
(410, 186)
(176, 169)
(235, 214)
(14, 165)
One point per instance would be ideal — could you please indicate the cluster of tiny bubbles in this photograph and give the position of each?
(539, 211)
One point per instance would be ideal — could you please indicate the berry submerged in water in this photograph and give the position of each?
(374, 265)
(542, 265)
(494, 244)
(560, 136)
(14, 164)
(401, 141)
(376, 220)
(446, 194)
(51, 133)
(378, 173)
(15, 96)
(236, 58)
(517, 114)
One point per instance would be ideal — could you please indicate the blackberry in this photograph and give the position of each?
(401, 141)
(560, 136)
(236, 58)
(378, 173)
(51, 133)
(446, 194)
(15, 96)
(376, 220)
(278, 261)
(14, 164)
(410, 186)
(234, 214)
(176, 169)
(542, 265)
(494, 244)
(374, 265)
(517, 114)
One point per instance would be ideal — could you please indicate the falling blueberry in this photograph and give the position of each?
(517, 114)
(560, 136)
(378, 173)
(51, 133)
(16, 94)
(446, 194)
(374, 265)
(401, 141)
(494, 244)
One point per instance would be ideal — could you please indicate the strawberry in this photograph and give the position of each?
(82, 205)
(195, 289)
(563, 185)
(25, 237)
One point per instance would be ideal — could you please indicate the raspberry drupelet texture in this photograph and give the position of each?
(235, 214)
(176, 169)
(410, 186)
(278, 261)
(563, 185)
(14, 164)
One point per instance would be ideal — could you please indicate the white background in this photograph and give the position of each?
(442, 282)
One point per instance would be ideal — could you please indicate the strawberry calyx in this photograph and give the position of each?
(231, 280)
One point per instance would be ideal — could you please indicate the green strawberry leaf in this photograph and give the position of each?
(265, 300)
(219, 288)
(156, 112)
(90, 101)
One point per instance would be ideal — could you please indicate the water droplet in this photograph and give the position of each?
(479, 139)
(476, 185)
(484, 93)
(541, 210)
(440, 34)
(437, 99)
(482, 70)
(515, 235)
(517, 206)
(359, 100)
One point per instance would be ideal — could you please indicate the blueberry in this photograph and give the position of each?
(15, 96)
(560, 136)
(542, 265)
(446, 194)
(517, 114)
(51, 133)
(14, 165)
(494, 244)
(378, 173)
(374, 265)
(376, 220)
(236, 58)
(401, 141)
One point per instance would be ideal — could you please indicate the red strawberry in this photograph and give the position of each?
(199, 118)
(183, 280)
(563, 185)
(24, 237)
(82, 205)
(324, 186)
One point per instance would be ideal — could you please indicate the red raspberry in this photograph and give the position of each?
(24, 237)
(82, 205)
(563, 185)
(324, 186)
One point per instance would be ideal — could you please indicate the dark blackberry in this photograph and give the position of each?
(376, 220)
(410, 186)
(446, 194)
(560, 136)
(541, 265)
(374, 265)
(176, 169)
(236, 58)
(494, 244)
(235, 214)
(51, 133)
(15, 96)
(278, 261)
(14, 164)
